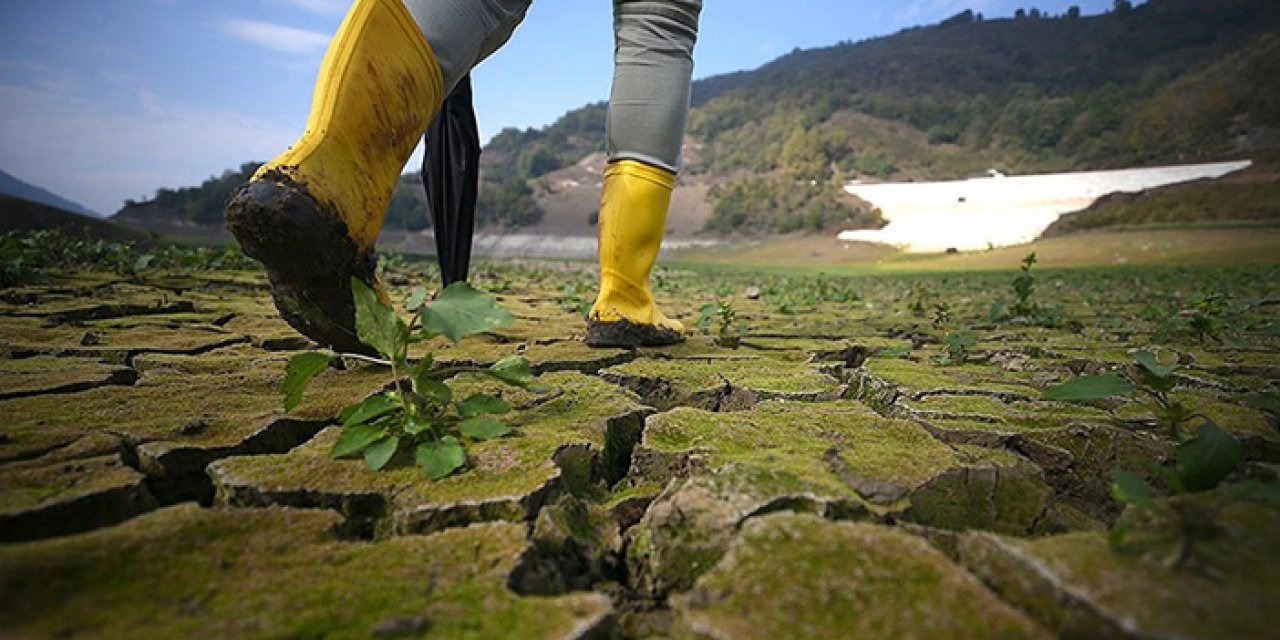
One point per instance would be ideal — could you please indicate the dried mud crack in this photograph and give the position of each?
(826, 478)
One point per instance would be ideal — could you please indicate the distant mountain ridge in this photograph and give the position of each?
(9, 185)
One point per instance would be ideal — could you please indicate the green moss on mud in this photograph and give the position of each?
(218, 410)
(185, 571)
(508, 474)
(716, 382)
(796, 436)
(799, 576)
(43, 374)
(916, 377)
(1080, 586)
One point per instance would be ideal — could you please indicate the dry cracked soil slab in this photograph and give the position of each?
(800, 576)
(185, 571)
(722, 383)
(574, 437)
(1081, 586)
(181, 414)
(839, 459)
(829, 476)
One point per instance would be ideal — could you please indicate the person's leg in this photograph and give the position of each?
(312, 214)
(653, 64)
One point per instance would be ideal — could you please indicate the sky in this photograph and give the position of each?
(106, 101)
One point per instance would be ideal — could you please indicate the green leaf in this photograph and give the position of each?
(996, 312)
(438, 392)
(461, 311)
(377, 324)
(300, 370)
(434, 390)
(143, 261)
(1090, 388)
(414, 425)
(368, 409)
(513, 370)
(378, 454)
(1208, 458)
(356, 438)
(1129, 488)
(483, 428)
(480, 404)
(1151, 364)
(439, 459)
(708, 312)
(416, 298)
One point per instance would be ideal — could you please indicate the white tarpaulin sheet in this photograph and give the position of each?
(1003, 210)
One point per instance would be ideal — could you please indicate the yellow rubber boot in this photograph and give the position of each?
(312, 214)
(633, 215)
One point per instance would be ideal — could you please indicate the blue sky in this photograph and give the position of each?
(103, 101)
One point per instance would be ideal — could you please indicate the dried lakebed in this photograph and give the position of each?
(826, 477)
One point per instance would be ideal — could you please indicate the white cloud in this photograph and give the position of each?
(106, 140)
(319, 7)
(276, 37)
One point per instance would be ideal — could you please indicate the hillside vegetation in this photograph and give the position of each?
(1250, 197)
(1167, 81)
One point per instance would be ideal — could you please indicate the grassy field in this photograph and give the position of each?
(1148, 246)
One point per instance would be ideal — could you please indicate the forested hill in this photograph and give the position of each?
(1169, 80)
(1165, 81)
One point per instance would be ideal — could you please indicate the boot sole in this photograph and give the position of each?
(627, 334)
(309, 256)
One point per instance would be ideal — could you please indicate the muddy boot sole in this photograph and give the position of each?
(627, 334)
(309, 256)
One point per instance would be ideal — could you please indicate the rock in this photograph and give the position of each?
(1079, 586)
(752, 293)
(184, 571)
(576, 439)
(799, 576)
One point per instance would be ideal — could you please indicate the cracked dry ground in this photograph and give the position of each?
(804, 484)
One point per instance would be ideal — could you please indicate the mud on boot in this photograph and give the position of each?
(309, 256)
(627, 334)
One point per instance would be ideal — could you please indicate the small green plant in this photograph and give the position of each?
(1148, 376)
(419, 415)
(1202, 463)
(729, 334)
(922, 299)
(1023, 309)
(1204, 457)
(1023, 286)
(958, 343)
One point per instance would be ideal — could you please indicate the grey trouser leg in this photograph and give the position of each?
(462, 33)
(653, 64)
